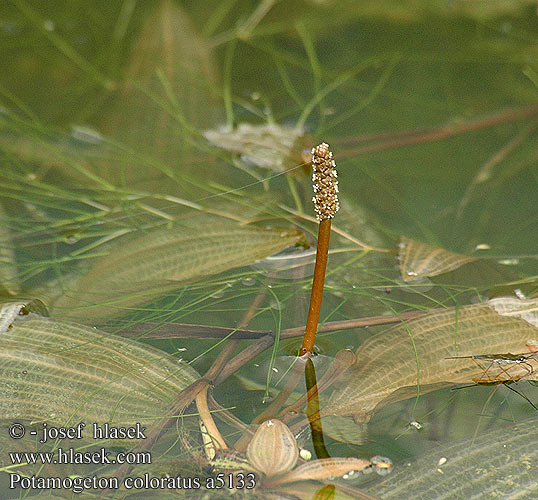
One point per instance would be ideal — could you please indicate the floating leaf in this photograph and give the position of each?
(416, 353)
(323, 469)
(64, 373)
(273, 449)
(419, 260)
(502, 463)
(267, 146)
(148, 265)
(516, 308)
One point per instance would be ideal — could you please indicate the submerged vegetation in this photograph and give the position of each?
(157, 248)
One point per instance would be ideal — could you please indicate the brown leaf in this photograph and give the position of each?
(322, 469)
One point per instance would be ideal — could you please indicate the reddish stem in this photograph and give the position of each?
(324, 233)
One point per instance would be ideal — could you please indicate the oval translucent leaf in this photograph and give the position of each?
(418, 260)
(148, 265)
(273, 449)
(323, 469)
(502, 464)
(61, 373)
(417, 351)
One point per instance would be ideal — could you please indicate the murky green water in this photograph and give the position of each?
(153, 176)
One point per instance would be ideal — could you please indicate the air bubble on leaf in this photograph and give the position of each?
(72, 239)
(86, 135)
(248, 281)
(381, 465)
(508, 262)
(277, 305)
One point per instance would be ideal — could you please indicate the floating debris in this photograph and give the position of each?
(267, 146)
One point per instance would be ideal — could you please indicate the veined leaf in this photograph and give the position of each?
(502, 463)
(64, 373)
(419, 260)
(155, 262)
(416, 353)
(273, 449)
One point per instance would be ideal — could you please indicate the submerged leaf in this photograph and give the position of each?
(418, 260)
(502, 463)
(64, 373)
(273, 449)
(170, 73)
(416, 352)
(344, 429)
(155, 262)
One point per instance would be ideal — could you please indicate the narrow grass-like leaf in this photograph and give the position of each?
(388, 360)
(155, 262)
(64, 373)
(419, 260)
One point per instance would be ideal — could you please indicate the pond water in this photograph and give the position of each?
(156, 227)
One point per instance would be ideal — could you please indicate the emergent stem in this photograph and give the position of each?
(324, 234)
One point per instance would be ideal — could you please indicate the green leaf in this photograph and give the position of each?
(64, 373)
(416, 353)
(152, 263)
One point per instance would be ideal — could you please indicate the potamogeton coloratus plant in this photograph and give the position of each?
(273, 455)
